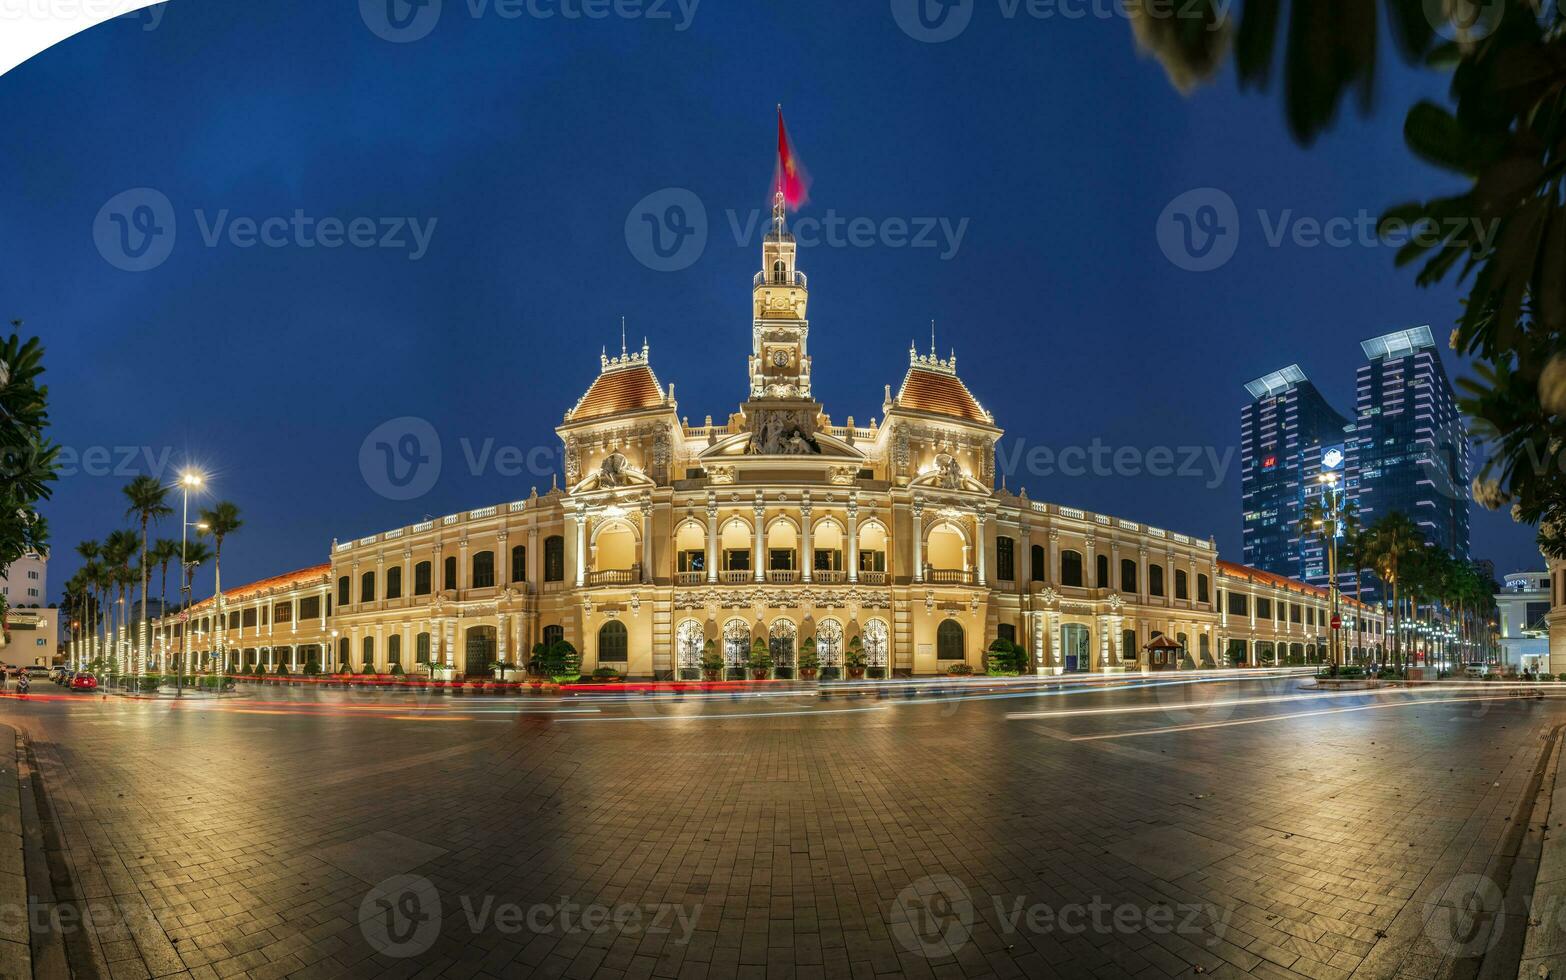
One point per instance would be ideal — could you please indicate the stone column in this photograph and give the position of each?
(759, 539)
(464, 567)
(1054, 557)
(502, 561)
(647, 543)
(918, 542)
(853, 537)
(807, 557)
(1090, 564)
(712, 538)
(978, 539)
(581, 546)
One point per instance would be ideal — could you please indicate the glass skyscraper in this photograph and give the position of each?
(1288, 433)
(1409, 451)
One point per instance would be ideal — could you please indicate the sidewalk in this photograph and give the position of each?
(16, 958)
(1544, 947)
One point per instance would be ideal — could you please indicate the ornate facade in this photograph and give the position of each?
(775, 523)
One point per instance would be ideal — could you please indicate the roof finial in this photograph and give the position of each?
(622, 337)
(932, 339)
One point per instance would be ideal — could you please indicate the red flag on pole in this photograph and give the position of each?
(792, 181)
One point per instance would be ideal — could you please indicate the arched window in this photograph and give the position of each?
(519, 563)
(343, 597)
(483, 570)
(1102, 573)
(1071, 569)
(421, 648)
(367, 587)
(949, 642)
(1127, 575)
(394, 649)
(342, 651)
(829, 643)
(1036, 566)
(877, 642)
(554, 559)
(394, 582)
(689, 638)
(736, 644)
(421, 579)
(369, 652)
(1202, 589)
(781, 644)
(553, 634)
(1182, 584)
(1155, 580)
(449, 573)
(614, 643)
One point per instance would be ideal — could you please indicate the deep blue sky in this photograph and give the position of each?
(531, 140)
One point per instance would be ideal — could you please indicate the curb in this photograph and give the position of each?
(1544, 943)
(16, 956)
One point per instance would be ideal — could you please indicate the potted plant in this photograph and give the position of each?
(760, 660)
(854, 660)
(960, 670)
(607, 675)
(809, 659)
(711, 661)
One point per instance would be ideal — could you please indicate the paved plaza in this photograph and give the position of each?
(1150, 828)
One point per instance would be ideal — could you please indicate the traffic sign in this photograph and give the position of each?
(1337, 621)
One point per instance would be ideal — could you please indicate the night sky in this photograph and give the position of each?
(1052, 143)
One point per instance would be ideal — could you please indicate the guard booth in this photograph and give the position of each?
(1164, 653)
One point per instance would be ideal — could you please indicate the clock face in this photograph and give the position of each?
(780, 358)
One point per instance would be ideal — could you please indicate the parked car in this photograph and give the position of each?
(36, 670)
(84, 682)
(1476, 670)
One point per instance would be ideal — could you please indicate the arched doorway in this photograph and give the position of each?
(480, 648)
(688, 642)
(614, 645)
(781, 644)
(878, 646)
(736, 648)
(950, 641)
(829, 647)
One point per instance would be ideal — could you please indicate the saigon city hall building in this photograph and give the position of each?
(777, 524)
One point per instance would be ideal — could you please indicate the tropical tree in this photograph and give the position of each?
(196, 554)
(148, 504)
(89, 552)
(28, 461)
(163, 553)
(118, 549)
(1392, 539)
(221, 521)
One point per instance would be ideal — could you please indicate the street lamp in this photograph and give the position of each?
(188, 481)
(1329, 493)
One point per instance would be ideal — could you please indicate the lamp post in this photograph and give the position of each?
(188, 480)
(1329, 493)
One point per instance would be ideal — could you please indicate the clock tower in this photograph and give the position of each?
(780, 359)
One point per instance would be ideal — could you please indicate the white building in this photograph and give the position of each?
(31, 637)
(1524, 602)
(26, 582)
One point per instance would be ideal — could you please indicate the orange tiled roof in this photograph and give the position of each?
(313, 574)
(1236, 570)
(619, 389)
(942, 394)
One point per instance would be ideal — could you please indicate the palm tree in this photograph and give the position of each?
(163, 553)
(89, 552)
(118, 548)
(196, 554)
(1393, 539)
(221, 521)
(1351, 555)
(148, 504)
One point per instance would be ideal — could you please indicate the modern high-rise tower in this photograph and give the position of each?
(1409, 451)
(1288, 434)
